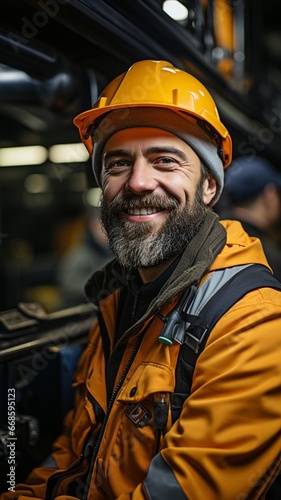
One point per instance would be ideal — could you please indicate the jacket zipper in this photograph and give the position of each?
(55, 480)
(109, 408)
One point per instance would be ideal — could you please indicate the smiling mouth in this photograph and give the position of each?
(143, 211)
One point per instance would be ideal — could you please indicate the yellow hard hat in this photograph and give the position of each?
(158, 84)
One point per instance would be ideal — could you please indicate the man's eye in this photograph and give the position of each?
(116, 165)
(168, 160)
(165, 160)
(120, 163)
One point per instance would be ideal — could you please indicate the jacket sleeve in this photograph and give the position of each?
(62, 455)
(226, 444)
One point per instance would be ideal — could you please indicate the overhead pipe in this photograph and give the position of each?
(36, 75)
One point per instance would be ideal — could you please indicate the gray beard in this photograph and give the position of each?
(139, 245)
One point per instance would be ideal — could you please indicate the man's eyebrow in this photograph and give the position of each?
(115, 152)
(166, 150)
(152, 150)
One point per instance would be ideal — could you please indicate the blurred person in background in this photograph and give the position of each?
(90, 253)
(252, 195)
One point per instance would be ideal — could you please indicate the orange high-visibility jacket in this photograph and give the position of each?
(226, 443)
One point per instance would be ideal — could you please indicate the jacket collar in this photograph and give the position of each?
(194, 263)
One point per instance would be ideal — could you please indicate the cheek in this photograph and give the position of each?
(181, 188)
(183, 182)
(111, 189)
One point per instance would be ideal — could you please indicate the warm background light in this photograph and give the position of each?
(26, 155)
(68, 153)
(176, 10)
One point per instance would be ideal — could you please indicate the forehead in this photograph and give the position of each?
(145, 137)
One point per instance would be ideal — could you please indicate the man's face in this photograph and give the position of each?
(153, 197)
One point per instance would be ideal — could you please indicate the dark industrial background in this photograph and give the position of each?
(55, 58)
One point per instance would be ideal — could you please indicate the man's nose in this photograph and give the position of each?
(142, 178)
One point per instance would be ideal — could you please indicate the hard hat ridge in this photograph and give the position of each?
(158, 85)
(151, 83)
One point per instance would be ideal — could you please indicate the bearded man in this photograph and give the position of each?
(159, 151)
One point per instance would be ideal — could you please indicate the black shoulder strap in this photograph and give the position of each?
(200, 324)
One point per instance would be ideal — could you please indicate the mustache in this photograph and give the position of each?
(150, 200)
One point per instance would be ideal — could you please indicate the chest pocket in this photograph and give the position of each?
(148, 379)
(151, 383)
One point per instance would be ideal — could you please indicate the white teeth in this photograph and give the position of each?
(142, 211)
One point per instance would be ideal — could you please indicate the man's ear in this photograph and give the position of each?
(269, 194)
(209, 189)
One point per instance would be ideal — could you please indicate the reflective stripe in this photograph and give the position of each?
(161, 483)
(214, 282)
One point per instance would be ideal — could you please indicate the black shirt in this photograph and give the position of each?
(134, 300)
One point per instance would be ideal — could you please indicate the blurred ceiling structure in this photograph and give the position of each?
(57, 55)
